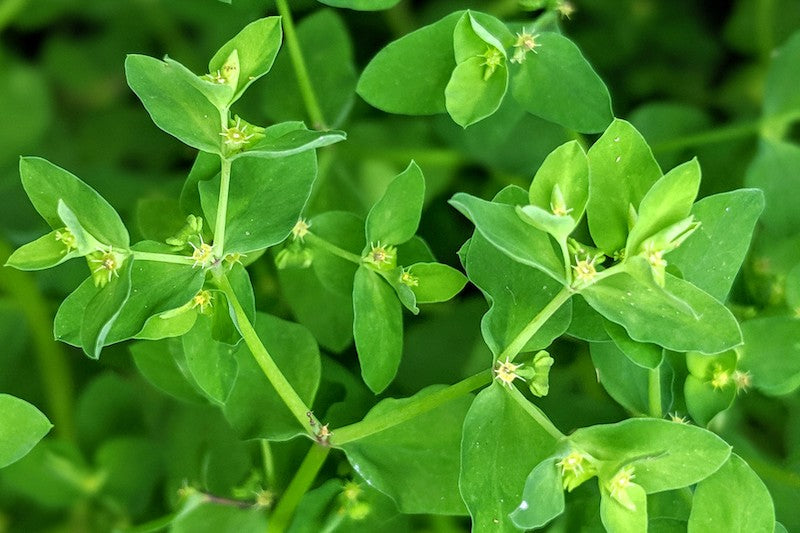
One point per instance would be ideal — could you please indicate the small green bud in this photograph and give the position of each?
(65, 236)
(537, 373)
(492, 59)
(618, 487)
(294, 255)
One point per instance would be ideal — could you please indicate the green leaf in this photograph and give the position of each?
(155, 361)
(475, 89)
(772, 353)
(21, 426)
(643, 354)
(45, 252)
(174, 104)
(776, 171)
(169, 324)
(734, 500)
(780, 101)
(625, 381)
(106, 306)
(395, 218)
(46, 184)
(665, 455)
(587, 324)
(542, 497)
(409, 75)
(362, 5)
(266, 196)
(622, 170)
(331, 324)
(469, 96)
(500, 447)
(711, 257)
(254, 408)
(566, 168)
(345, 230)
(667, 202)
(558, 84)
(68, 319)
(651, 314)
(617, 518)
(328, 53)
(377, 329)
(436, 282)
(516, 294)
(502, 227)
(211, 364)
(256, 44)
(155, 289)
(421, 479)
(291, 143)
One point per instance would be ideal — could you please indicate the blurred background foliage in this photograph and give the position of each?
(692, 76)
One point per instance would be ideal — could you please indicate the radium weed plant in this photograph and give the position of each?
(602, 248)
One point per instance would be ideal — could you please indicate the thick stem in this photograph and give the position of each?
(222, 206)
(654, 392)
(282, 516)
(54, 371)
(519, 342)
(300, 70)
(536, 413)
(332, 248)
(282, 386)
(163, 258)
(365, 428)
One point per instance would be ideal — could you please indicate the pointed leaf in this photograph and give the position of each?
(667, 202)
(568, 168)
(45, 252)
(256, 44)
(500, 447)
(395, 218)
(651, 314)
(21, 426)
(409, 75)
(174, 104)
(377, 329)
(46, 184)
(558, 84)
(421, 479)
(436, 282)
(291, 143)
(734, 500)
(622, 170)
(104, 309)
(711, 257)
(501, 226)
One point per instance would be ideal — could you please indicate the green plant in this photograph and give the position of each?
(601, 250)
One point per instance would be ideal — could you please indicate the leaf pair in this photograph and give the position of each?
(467, 71)
(194, 108)
(381, 285)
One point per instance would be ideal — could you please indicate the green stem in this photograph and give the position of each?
(163, 258)
(654, 392)
(309, 468)
(365, 428)
(717, 135)
(299, 64)
(519, 342)
(54, 369)
(536, 413)
(282, 386)
(316, 240)
(222, 206)
(269, 463)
